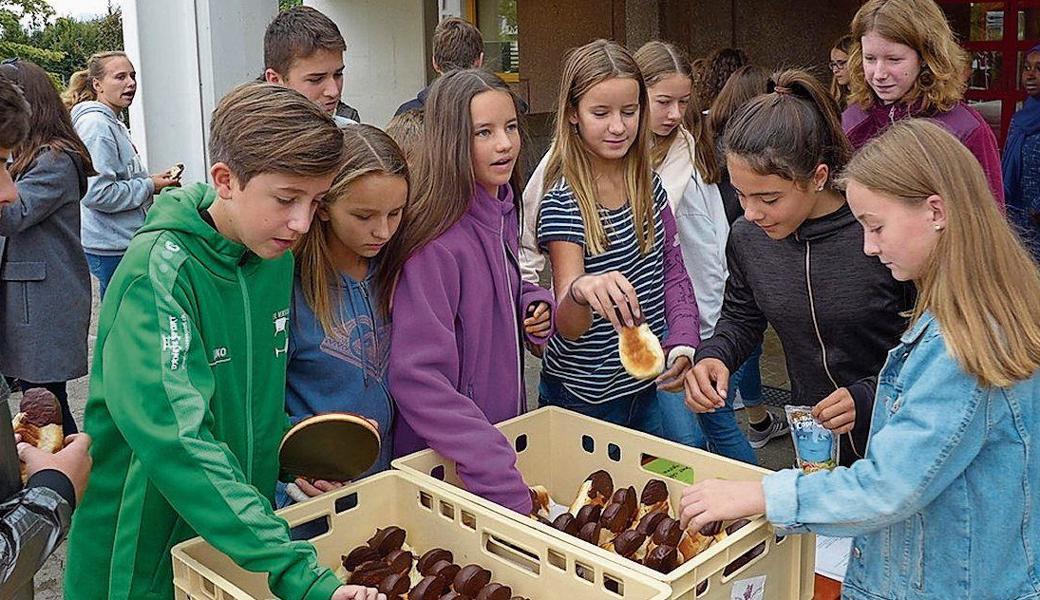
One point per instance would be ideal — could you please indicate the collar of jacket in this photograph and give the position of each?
(825, 226)
(917, 329)
(488, 210)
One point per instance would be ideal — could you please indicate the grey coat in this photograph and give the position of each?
(44, 282)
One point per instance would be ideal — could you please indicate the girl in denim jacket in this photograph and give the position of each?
(945, 503)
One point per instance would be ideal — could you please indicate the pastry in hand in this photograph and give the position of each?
(38, 422)
(641, 352)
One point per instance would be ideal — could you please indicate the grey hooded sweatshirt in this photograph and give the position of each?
(118, 196)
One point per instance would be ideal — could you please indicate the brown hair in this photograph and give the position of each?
(718, 67)
(841, 92)
(658, 60)
(366, 151)
(745, 83)
(265, 128)
(457, 44)
(585, 67)
(15, 114)
(50, 124)
(81, 83)
(442, 184)
(298, 33)
(790, 131)
(406, 129)
(984, 300)
(921, 25)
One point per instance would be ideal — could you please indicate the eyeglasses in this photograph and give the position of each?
(837, 65)
(9, 61)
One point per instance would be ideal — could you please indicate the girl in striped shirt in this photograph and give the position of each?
(611, 239)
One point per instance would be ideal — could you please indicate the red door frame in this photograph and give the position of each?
(1006, 90)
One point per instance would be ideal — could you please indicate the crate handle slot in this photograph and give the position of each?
(614, 452)
(614, 585)
(312, 528)
(588, 444)
(512, 553)
(520, 443)
(663, 467)
(746, 559)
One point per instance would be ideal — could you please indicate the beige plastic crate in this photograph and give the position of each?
(535, 566)
(558, 449)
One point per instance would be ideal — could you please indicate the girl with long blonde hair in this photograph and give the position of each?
(945, 501)
(905, 62)
(607, 226)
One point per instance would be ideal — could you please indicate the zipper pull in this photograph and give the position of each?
(892, 114)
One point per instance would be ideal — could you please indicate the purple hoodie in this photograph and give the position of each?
(455, 348)
(964, 122)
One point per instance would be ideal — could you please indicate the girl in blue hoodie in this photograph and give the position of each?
(119, 195)
(339, 343)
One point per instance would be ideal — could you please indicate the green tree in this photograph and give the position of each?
(287, 4)
(15, 39)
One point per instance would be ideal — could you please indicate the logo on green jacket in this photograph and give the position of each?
(281, 331)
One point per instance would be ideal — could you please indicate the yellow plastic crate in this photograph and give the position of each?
(533, 565)
(558, 449)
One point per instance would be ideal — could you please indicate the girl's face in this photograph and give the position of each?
(775, 204)
(496, 139)
(890, 68)
(607, 117)
(668, 101)
(839, 66)
(367, 216)
(1031, 74)
(118, 86)
(8, 191)
(902, 235)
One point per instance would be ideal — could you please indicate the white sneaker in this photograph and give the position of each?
(777, 428)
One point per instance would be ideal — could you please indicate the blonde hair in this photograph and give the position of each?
(921, 25)
(81, 83)
(585, 67)
(979, 282)
(366, 151)
(658, 60)
(407, 130)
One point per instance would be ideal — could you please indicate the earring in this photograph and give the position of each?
(819, 189)
(938, 227)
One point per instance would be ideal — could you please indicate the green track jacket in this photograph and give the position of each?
(187, 408)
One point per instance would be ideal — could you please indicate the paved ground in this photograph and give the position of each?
(778, 454)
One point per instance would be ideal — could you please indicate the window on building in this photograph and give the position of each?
(497, 22)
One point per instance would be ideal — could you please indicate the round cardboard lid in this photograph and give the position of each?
(331, 446)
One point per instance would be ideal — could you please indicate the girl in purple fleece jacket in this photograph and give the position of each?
(459, 306)
(607, 227)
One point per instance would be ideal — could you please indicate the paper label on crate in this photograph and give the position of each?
(749, 589)
(670, 469)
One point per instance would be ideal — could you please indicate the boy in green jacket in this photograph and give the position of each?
(187, 399)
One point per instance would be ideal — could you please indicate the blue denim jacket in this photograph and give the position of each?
(945, 504)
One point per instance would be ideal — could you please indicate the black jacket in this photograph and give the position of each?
(835, 310)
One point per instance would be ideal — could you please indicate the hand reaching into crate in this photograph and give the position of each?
(718, 500)
(357, 592)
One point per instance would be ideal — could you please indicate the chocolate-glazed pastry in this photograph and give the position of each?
(453, 595)
(40, 406)
(663, 559)
(371, 573)
(588, 514)
(400, 561)
(654, 499)
(444, 569)
(627, 497)
(430, 557)
(596, 489)
(567, 524)
(395, 585)
(590, 533)
(628, 543)
(711, 529)
(471, 579)
(387, 540)
(648, 524)
(359, 556)
(615, 518)
(668, 532)
(495, 591)
(735, 525)
(430, 588)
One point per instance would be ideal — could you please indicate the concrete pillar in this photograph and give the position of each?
(188, 54)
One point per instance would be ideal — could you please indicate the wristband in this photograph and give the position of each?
(570, 292)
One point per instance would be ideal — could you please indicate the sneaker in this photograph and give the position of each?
(777, 428)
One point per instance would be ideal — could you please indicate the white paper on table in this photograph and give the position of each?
(832, 556)
(556, 509)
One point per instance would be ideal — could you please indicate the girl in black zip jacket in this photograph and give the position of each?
(796, 262)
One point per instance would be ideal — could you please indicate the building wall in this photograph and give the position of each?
(386, 53)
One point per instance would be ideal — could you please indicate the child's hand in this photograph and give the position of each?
(717, 500)
(672, 379)
(706, 385)
(837, 411)
(610, 295)
(318, 486)
(538, 323)
(356, 592)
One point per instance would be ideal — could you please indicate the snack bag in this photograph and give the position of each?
(815, 446)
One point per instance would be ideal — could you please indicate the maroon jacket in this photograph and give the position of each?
(965, 122)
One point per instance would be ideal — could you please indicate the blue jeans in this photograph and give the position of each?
(724, 435)
(640, 411)
(102, 267)
(748, 379)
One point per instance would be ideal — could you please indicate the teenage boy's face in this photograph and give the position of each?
(8, 192)
(366, 217)
(272, 211)
(496, 139)
(608, 117)
(318, 76)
